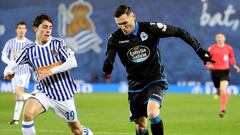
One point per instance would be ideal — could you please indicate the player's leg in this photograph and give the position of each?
(141, 126)
(75, 128)
(156, 94)
(20, 82)
(153, 112)
(216, 82)
(18, 105)
(218, 91)
(33, 107)
(224, 96)
(138, 110)
(68, 111)
(217, 94)
(25, 82)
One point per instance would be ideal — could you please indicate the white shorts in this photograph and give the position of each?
(21, 81)
(64, 109)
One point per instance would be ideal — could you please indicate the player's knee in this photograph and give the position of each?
(19, 97)
(28, 115)
(141, 125)
(19, 94)
(153, 114)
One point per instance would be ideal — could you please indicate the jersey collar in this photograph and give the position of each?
(44, 45)
(136, 29)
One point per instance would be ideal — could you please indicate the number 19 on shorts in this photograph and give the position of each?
(70, 115)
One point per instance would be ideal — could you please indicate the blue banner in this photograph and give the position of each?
(86, 26)
(122, 87)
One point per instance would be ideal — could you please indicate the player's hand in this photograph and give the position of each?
(107, 77)
(205, 56)
(43, 74)
(236, 68)
(9, 76)
(210, 66)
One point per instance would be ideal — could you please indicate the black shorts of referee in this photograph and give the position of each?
(220, 75)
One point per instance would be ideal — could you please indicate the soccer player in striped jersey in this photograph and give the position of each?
(222, 54)
(11, 51)
(52, 59)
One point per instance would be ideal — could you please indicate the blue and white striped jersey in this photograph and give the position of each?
(12, 50)
(59, 86)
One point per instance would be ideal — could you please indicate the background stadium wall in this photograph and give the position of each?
(202, 18)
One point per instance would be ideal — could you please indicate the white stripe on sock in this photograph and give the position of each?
(29, 130)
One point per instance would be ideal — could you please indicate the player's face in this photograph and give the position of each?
(21, 31)
(220, 39)
(43, 32)
(126, 23)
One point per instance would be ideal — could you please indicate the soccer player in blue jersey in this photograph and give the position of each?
(11, 51)
(52, 59)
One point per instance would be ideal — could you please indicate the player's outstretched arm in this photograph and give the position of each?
(204, 55)
(190, 40)
(232, 59)
(163, 31)
(5, 58)
(70, 63)
(109, 60)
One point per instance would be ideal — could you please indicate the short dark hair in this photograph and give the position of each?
(122, 9)
(40, 18)
(21, 23)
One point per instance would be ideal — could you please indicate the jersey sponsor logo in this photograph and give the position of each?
(49, 67)
(143, 36)
(161, 26)
(123, 41)
(138, 54)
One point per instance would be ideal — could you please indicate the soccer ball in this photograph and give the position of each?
(86, 131)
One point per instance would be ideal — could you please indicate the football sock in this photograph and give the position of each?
(224, 100)
(28, 128)
(18, 109)
(157, 126)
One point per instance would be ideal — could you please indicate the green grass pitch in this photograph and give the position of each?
(108, 114)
